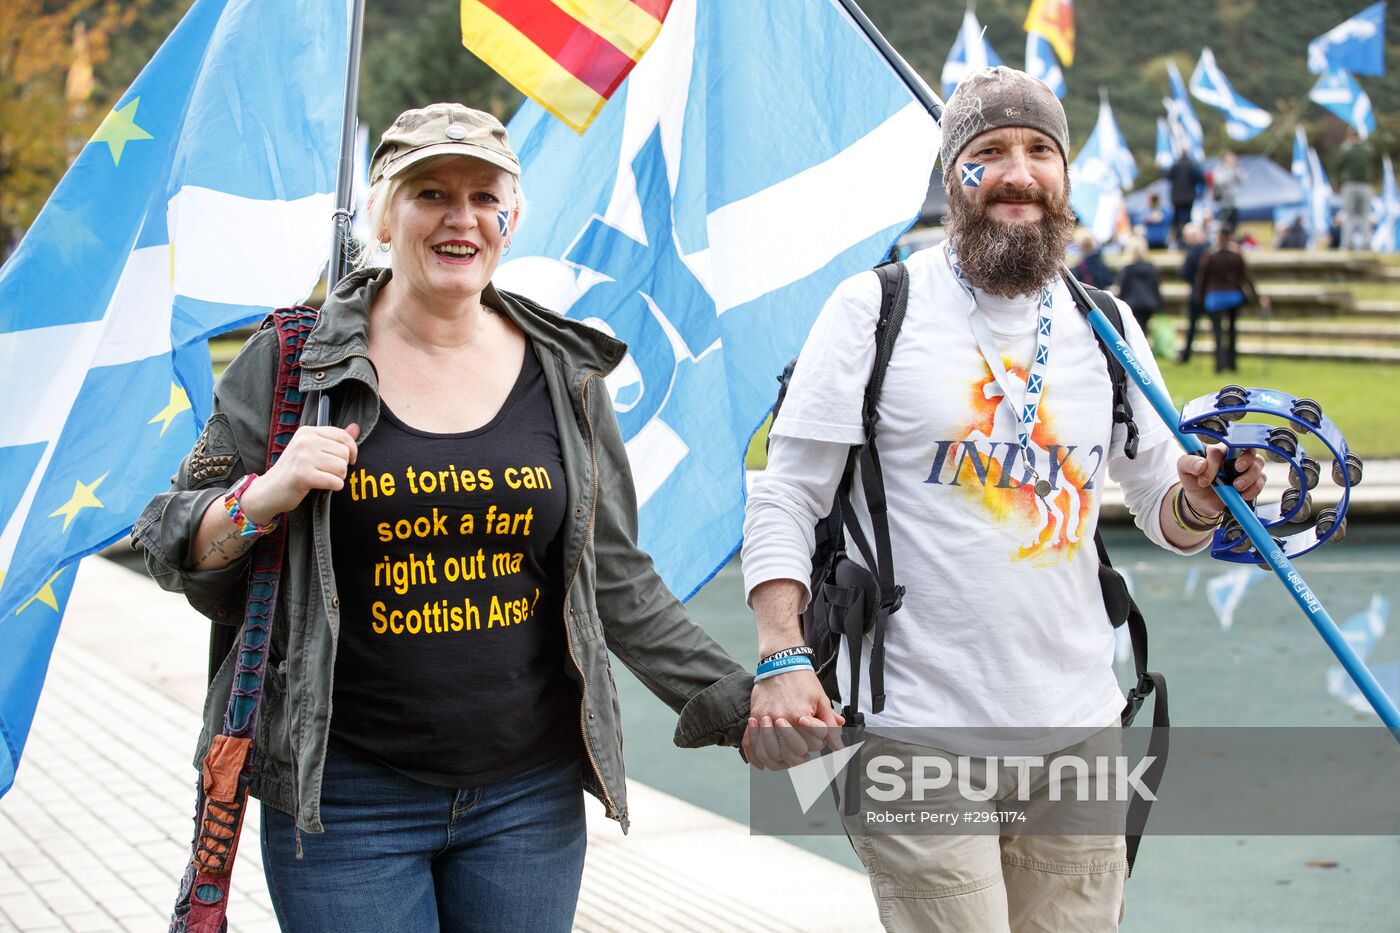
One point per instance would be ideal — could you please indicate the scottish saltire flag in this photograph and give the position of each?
(1386, 238)
(1226, 592)
(1362, 631)
(569, 56)
(1209, 85)
(1338, 91)
(1099, 175)
(1356, 45)
(970, 52)
(1320, 196)
(1041, 63)
(203, 200)
(1054, 19)
(694, 221)
(1300, 166)
(1163, 156)
(1181, 117)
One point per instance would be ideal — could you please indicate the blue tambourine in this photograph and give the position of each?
(1218, 418)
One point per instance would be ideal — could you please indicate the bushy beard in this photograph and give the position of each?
(1010, 259)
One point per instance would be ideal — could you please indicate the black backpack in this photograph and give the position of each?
(849, 601)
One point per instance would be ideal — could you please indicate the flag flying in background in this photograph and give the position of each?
(1041, 63)
(1316, 207)
(568, 56)
(1054, 19)
(1386, 239)
(1338, 91)
(203, 200)
(1099, 175)
(704, 220)
(1187, 135)
(1243, 120)
(1357, 45)
(1363, 631)
(1163, 157)
(970, 52)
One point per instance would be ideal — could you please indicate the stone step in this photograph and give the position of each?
(1377, 309)
(1328, 334)
(1293, 350)
(1335, 265)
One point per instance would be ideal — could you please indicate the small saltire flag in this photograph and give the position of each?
(1301, 168)
(1362, 631)
(1386, 238)
(1356, 45)
(1338, 91)
(1100, 173)
(1041, 63)
(1226, 591)
(970, 52)
(1054, 19)
(568, 56)
(694, 222)
(203, 200)
(1164, 156)
(1181, 116)
(1243, 120)
(1320, 195)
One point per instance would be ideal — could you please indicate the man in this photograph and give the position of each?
(1225, 182)
(1003, 622)
(1357, 164)
(1194, 239)
(1186, 178)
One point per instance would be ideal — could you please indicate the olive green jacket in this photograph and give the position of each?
(613, 599)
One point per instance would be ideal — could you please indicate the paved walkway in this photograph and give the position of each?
(96, 831)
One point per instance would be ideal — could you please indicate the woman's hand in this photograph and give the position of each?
(316, 458)
(789, 718)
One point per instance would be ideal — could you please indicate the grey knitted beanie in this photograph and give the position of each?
(997, 97)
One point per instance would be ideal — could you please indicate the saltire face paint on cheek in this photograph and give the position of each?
(972, 174)
(503, 219)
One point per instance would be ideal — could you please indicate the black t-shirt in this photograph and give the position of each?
(450, 663)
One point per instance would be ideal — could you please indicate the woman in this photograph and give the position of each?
(1226, 285)
(1139, 285)
(461, 556)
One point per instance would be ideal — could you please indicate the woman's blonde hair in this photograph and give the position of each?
(1135, 250)
(382, 194)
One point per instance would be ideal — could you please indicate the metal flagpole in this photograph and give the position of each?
(1385, 707)
(339, 265)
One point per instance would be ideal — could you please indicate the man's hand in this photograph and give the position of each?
(1197, 476)
(789, 718)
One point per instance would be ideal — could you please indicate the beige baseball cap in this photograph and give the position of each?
(441, 129)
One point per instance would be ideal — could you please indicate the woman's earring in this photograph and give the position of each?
(506, 249)
(384, 247)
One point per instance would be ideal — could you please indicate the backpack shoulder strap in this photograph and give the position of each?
(1122, 408)
(894, 300)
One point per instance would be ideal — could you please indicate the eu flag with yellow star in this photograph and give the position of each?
(203, 200)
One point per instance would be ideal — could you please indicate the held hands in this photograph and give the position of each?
(789, 718)
(316, 458)
(1197, 476)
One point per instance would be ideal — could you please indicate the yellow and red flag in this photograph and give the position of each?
(567, 55)
(1054, 19)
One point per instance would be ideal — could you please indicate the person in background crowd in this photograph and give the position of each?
(1294, 236)
(1226, 179)
(1357, 165)
(1226, 285)
(1186, 179)
(1139, 285)
(1156, 226)
(1195, 243)
(1091, 269)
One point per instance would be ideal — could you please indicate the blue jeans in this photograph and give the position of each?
(398, 854)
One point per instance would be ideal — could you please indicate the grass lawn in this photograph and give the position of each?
(1358, 397)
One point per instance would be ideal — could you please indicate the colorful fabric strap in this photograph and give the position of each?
(247, 528)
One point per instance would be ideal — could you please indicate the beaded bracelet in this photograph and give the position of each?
(247, 528)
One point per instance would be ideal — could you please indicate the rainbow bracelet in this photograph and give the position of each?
(246, 527)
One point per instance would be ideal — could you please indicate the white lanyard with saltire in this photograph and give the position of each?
(1027, 413)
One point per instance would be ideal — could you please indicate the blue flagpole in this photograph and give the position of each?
(1302, 594)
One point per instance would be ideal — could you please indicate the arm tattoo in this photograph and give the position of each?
(231, 546)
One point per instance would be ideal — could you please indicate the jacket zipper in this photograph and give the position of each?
(568, 636)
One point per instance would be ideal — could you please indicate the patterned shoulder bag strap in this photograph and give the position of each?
(227, 769)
